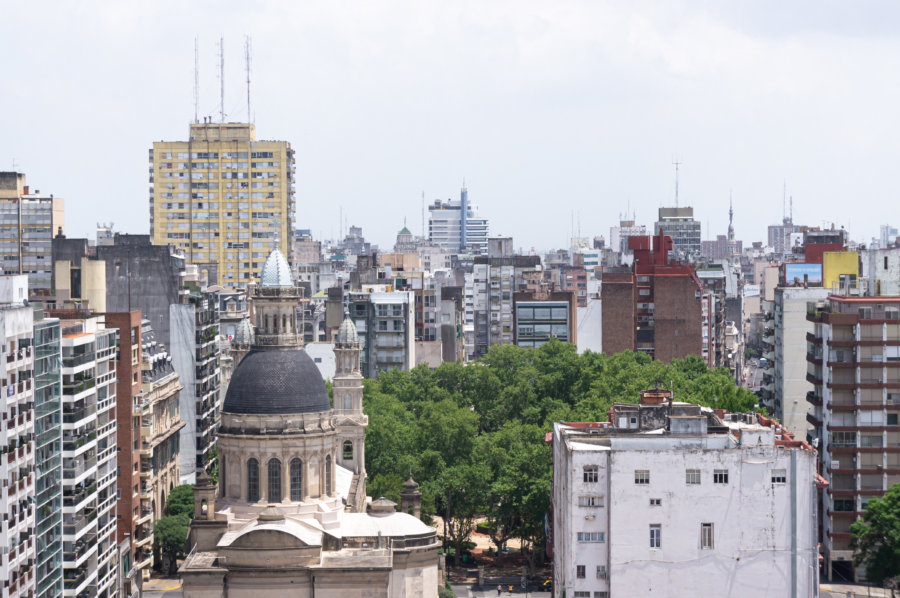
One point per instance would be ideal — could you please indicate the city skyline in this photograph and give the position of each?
(579, 106)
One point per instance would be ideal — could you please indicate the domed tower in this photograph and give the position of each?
(277, 442)
(242, 341)
(350, 421)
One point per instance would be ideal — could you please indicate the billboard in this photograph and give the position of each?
(800, 273)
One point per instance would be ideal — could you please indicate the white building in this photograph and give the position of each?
(17, 462)
(790, 330)
(455, 227)
(89, 458)
(670, 500)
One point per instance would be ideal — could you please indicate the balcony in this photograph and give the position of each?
(816, 422)
(813, 399)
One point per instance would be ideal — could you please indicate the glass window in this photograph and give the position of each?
(579, 571)
(779, 476)
(641, 476)
(720, 476)
(692, 476)
(706, 536)
(274, 480)
(590, 501)
(296, 480)
(590, 537)
(655, 535)
(253, 480)
(590, 473)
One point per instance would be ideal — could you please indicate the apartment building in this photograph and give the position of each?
(655, 306)
(48, 452)
(679, 224)
(160, 425)
(223, 198)
(385, 323)
(89, 456)
(853, 363)
(672, 499)
(17, 461)
(28, 223)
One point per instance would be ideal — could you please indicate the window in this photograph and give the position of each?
(779, 476)
(655, 502)
(296, 480)
(720, 476)
(641, 476)
(591, 537)
(706, 536)
(655, 535)
(581, 593)
(691, 476)
(579, 571)
(892, 419)
(253, 480)
(348, 402)
(274, 480)
(844, 504)
(601, 572)
(328, 475)
(590, 473)
(590, 501)
(348, 450)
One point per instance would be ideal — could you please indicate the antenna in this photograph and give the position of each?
(423, 215)
(221, 79)
(677, 164)
(196, 80)
(247, 45)
(783, 200)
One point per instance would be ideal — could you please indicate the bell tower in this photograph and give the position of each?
(350, 421)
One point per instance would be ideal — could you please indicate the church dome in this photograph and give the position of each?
(276, 382)
(347, 334)
(243, 334)
(276, 272)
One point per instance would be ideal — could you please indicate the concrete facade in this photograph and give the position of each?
(704, 505)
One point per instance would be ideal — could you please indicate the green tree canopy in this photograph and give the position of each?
(181, 501)
(876, 537)
(169, 535)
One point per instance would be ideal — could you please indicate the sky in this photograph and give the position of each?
(558, 115)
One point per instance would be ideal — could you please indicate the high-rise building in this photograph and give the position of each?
(385, 323)
(48, 452)
(539, 317)
(852, 357)
(679, 224)
(455, 227)
(89, 456)
(672, 499)
(224, 199)
(887, 235)
(17, 462)
(28, 223)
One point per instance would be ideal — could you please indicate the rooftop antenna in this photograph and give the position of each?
(196, 80)
(677, 164)
(784, 200)
(247, 45)
(221, 79)
(423, 215)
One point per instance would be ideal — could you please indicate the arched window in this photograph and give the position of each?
(328, 475)
(348, 450)
(253, 480)
(296, 480)
(348, 402)
(274, 480)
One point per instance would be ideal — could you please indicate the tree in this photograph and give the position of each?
(876, 537)
(463, 490)
(181, 501)
(170, 534)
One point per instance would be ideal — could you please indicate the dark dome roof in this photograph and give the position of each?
(272, 382)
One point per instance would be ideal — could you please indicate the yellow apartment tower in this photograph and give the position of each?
(224, 199)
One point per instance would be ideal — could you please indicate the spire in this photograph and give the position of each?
(730, 217)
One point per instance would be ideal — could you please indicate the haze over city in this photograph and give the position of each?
(551, 112)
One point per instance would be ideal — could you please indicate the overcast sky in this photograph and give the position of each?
(546, 108)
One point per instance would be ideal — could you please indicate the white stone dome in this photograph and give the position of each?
(243, 334)
(347, 333)
(276, 272)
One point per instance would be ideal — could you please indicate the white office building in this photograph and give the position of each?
(455, 227)
(673, 500)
